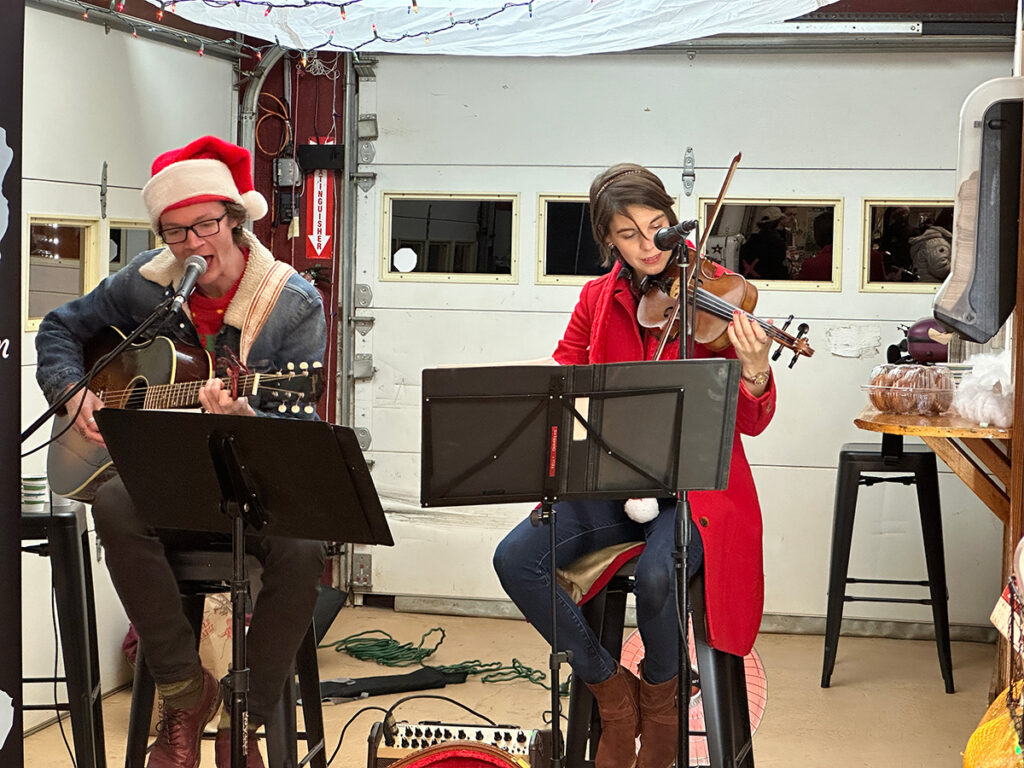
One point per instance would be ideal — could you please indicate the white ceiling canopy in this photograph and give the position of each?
(481, 28)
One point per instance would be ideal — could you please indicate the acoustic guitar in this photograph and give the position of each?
(158, 375)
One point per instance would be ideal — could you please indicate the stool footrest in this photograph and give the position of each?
(888, 581)
(853, 599)
(903, 480)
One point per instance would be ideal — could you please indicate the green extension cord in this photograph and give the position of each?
(377, 645)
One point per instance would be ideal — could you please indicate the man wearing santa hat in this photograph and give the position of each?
(258, 309)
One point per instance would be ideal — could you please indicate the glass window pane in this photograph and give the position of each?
(127, 242)
(783, 241)
(569, 247)
(909, 242)
(451, 236)
(55, 276)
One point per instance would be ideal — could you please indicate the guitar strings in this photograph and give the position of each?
(179, 392)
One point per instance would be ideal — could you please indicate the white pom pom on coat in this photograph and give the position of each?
(642, 510)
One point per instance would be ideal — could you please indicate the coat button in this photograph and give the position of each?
(703, 522)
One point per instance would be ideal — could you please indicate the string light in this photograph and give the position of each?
(116, 7)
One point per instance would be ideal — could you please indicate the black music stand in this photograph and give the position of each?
(232, 474)
(617, 431)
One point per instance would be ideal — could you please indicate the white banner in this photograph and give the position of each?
(538, 28)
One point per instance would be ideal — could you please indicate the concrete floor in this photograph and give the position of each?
(886, 707)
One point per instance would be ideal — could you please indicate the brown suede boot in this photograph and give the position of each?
(659, 723)
(620, 719)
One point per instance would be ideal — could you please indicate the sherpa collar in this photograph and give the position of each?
(164, 269)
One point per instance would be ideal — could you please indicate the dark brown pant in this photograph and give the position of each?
(148, 590)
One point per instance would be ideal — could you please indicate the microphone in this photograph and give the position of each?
(667, 238)
(194, 267)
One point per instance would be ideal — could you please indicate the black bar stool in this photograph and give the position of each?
(201, 572)
(65, 538)
(722, 678)
(856, 459)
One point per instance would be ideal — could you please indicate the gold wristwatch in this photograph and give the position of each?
(758, 379)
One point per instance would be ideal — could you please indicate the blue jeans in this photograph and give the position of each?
(522, 562)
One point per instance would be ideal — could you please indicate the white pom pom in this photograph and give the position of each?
(255, 204)
(642, 510)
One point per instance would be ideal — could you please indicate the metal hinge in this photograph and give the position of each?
(365, 180)
(689, 174)
(364, 295)
(363, 323)
(362, 366)
(363, 437)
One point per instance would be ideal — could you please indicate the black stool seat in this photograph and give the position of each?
(918, 461)
(722, 679)
(200, 572)
(66, 541)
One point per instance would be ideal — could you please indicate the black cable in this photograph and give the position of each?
(70, 424)
(345, 728)
(473, 712)
(56, 646)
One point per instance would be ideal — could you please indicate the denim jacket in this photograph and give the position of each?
(295, 330)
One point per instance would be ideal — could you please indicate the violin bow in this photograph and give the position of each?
(700, 249)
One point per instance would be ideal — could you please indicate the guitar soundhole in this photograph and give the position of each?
(134, 397)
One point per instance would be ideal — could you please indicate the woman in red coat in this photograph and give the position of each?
(628, 205)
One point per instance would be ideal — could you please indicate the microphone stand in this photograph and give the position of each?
(160, 313)
(687, 316)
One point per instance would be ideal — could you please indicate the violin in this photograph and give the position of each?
(716, 297)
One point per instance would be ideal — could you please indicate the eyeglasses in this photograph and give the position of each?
(205, 228)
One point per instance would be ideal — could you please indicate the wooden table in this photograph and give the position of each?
(969, 450)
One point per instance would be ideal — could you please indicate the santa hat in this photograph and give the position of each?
(207, 169)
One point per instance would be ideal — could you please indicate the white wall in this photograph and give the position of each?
(849, 125)
(92, 97)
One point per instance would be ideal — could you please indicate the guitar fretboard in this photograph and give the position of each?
(179, 395)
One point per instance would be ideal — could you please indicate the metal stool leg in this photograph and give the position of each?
(931, 529)
(71, 578)
(723, 686)
(583, 727)
(847, 485)
(312, 710)
(281, 727)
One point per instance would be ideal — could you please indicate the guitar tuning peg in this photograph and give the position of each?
(304, 366)
(308, 409)
(291, 366)
(295, 409)
(282, 408)
(318, 364)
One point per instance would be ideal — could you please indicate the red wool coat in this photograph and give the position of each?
(603, 329)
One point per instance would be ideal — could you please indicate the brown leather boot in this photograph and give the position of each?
(620, 719)
(659, 723)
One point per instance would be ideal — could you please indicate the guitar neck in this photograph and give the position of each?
(176, 395)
